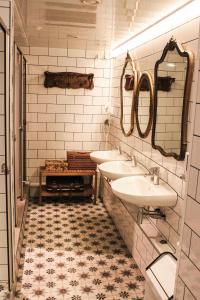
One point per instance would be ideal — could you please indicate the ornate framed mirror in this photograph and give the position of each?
(128, 83)
(169, 134)
(144, 104)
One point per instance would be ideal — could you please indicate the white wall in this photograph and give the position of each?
(4, 268)
(188, 284)
(145, 57)
(5, 12)
(63, 119)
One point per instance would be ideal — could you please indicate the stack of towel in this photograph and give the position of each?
(80, 161)
(56, 165)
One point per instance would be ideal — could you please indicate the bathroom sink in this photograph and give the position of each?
(108, 155)
(140, 191)
(117, 169)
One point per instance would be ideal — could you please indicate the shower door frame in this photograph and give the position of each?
(7, 167)
(21, 157)
(18, 124)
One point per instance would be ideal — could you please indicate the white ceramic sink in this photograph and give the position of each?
(117, 169)
(140, 191)
(108, 155)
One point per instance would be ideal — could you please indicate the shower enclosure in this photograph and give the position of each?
(6, 207)
(19, 134)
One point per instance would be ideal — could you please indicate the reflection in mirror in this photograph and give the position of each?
(128, 84)
(144, 104)
(171, 106)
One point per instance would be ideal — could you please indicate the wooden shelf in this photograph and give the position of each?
(44, 172)
(89, 190)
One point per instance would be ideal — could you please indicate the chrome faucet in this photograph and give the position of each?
(119, 149)
(154, 173)
(133, 159)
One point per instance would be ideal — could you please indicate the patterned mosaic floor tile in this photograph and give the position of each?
(73, 251)
(3, 290)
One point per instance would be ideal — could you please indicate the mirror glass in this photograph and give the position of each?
(144, 104)
(128, 84)
(171, 100)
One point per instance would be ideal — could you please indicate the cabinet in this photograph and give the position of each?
(90, 190)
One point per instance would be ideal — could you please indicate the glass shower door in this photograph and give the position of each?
(6, 242)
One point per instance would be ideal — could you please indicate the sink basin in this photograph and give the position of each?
(117, 169)
(140, 191)
(108, 155)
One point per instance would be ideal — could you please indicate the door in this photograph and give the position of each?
(23, 121)
(20, 134)
(6, 236)
(18, 124)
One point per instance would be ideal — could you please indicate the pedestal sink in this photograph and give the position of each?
(140, 191)
(108, 155)
(117, 169)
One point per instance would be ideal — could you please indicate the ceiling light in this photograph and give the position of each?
(91, 2)
(171, 65)
(175, 19)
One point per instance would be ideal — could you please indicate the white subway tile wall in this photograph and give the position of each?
(189, 264)
(145, 57)
(5, 16)
(63, 119)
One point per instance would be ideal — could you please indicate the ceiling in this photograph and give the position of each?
(133, 16)
(56, 23)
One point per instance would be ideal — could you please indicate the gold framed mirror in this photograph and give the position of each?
(173, 79)
(128, 83)
(144, 104)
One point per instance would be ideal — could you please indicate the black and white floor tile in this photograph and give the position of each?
(3, 290)
(72, 251)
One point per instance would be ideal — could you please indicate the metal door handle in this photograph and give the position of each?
(3, 168)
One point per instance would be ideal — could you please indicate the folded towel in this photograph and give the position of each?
(77, 155)
(81, 165)
(55, 165)
(82, 168)
(80, 160)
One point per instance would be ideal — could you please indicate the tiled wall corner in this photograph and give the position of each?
(63, 119)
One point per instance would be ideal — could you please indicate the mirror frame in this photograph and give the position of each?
(128, 60)
(170, 46)
(148, 77)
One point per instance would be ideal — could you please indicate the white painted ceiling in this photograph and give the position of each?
(58, 22)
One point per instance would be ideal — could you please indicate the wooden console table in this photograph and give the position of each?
(89, 189)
